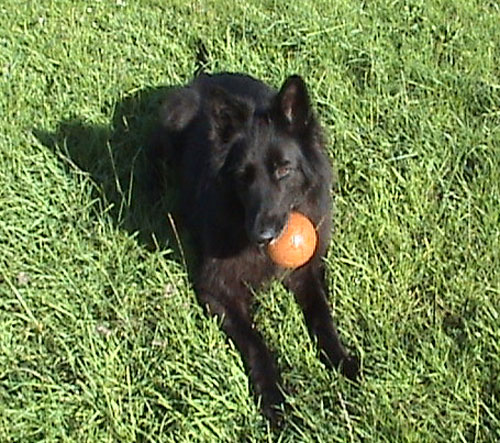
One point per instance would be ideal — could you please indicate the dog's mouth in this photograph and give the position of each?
(269, 235)
(280, 232)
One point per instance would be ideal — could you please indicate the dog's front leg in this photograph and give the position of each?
(233, 311)
(308, 285)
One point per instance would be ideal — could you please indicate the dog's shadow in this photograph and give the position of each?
(132, 183)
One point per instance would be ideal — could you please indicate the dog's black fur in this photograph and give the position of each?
(247, 156)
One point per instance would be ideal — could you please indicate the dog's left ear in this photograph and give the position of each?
(292, 104)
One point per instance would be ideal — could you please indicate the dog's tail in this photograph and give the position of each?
(202, 58)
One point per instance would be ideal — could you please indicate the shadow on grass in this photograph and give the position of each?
(133, 184)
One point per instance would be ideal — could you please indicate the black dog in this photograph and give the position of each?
(247, 156)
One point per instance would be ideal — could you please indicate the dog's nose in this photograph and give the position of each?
(265, 235)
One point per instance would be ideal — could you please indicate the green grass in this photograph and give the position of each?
(101, 338)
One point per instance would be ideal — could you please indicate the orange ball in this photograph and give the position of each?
(296, 244)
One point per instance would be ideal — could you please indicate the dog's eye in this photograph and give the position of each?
(282, 172)
(245, 175)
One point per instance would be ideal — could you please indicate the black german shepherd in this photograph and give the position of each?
(248, 155)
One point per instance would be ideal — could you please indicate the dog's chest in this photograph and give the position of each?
(251, 267)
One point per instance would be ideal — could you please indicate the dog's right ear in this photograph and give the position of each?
(179, 109)
(229, 114)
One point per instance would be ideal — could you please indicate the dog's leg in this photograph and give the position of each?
(309, 287)
(236, 322)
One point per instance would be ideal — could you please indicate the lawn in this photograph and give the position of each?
(101, 337)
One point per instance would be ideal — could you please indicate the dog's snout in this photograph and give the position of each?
(266, 234)
(266, 228)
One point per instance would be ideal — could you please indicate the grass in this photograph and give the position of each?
(101, 338)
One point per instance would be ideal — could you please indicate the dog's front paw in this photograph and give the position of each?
(273, 406)
(349, 367)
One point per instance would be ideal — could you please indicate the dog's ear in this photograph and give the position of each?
(179, 109)
(228, 114)
(292, 106)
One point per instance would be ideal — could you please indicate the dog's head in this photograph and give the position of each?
(266, 155)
